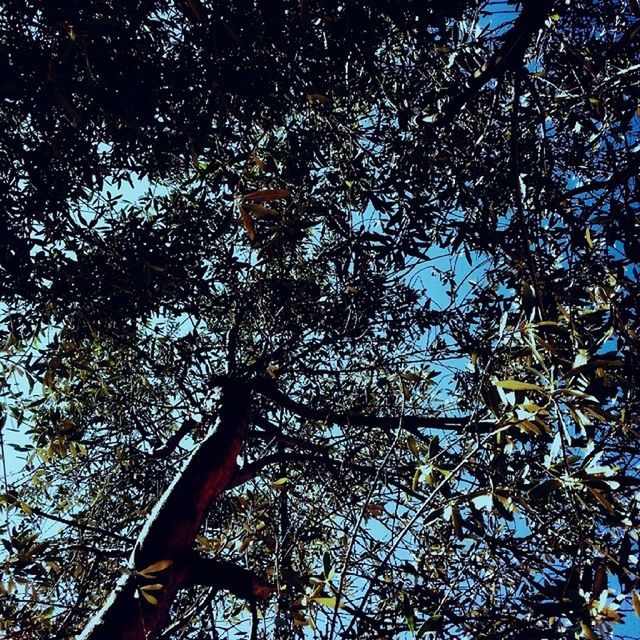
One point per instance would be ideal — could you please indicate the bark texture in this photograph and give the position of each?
(171, 530)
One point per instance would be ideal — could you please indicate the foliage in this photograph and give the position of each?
(411, 228)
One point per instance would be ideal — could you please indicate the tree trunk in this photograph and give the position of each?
(169, 533)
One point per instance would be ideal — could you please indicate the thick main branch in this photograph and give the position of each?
(171, 529)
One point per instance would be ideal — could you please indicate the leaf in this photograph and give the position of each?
(456, 523)
(26, 508)
(413, 447)
(317, 97)
(517, 385)
(152, 587)
(430, 625)
(600, 497)
(265, 195)
(599, 414)
(543, 489)
(417, 476)
(247, 223)
(375, 509)
(328, 602)
(148, 597)
(260, 211)
(280, 483)
(575, 393)
(529, 427)
(635, 599)
(587, 632)
(161, 565)
(409, 614)
(599, 580)
(326, 564)
(588, 238)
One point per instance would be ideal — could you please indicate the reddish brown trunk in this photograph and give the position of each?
(171, 530)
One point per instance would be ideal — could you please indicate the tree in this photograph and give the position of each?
(356, 355)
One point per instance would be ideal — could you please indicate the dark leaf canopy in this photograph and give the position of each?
(408, 229)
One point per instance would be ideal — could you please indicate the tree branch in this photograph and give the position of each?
(224, 574)
(509, 56)
(171, 529)
(413, 424)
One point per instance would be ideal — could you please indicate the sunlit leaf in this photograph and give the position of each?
(149, 598)
(155, 567)
(327, 602)
(517, 385)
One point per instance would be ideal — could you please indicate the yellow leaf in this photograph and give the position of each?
(530, 427)
(635, 598)
(415, 484)
(149, 598)
(588, 238)
(611, 614)
(532, 407)
(587, 632)
(264, 195)
(413, 447)
(152, 587)
(280, 483)
(328, 602)
(516, 385)
(161, 565)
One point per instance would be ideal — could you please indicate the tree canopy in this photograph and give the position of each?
(319, 319)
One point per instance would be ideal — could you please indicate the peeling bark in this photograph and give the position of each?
(171, 530)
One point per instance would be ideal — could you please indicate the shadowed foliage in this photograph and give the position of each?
(319, 319)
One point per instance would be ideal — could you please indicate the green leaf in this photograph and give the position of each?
(430, 625)
(326, 564)
(409, 613)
